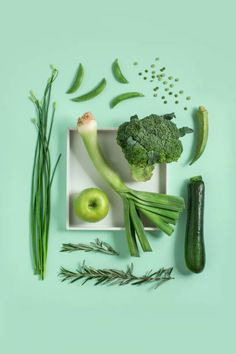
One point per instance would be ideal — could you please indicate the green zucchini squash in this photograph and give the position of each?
(194, 239)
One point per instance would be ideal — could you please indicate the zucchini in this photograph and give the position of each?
(194, 239)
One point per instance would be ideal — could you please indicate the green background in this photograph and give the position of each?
(195, 41)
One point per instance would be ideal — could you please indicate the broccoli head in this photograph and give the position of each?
(145, 142)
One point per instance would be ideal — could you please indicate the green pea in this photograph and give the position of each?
(170, 77)
(157, 58)
(152, 66)
(181, 92)
(140, 73)
(176, 102)
(176, 95)
(162, 69)
(165, 102)
(151, 80)
(188, 98)
(135, 63)
(170, 93)
(165, 82)
(155, 95)
(163, 97)
(153, 71)
(176, 79)
(171, 85)
(167, 89)
(145, 78)
(146, 70)
(153, 76)
(185, 108)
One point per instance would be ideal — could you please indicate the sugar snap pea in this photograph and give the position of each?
(77, 80)
(91, 94)
(202, 120)
(117, 73)
(124, 96)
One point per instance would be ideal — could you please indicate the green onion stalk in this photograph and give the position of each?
(162, 210)
(42, 178)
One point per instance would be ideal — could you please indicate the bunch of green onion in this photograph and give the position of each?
(42, 178)
(162, 210)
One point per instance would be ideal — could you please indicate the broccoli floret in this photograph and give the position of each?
(145, 142)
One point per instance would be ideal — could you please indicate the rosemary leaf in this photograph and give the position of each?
(96, 246)
(115, 277)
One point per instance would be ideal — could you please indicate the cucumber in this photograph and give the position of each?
(194, 240)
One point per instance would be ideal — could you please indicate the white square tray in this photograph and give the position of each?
(82, 174)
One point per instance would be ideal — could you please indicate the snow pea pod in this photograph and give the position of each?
(77, 80)
(124, 96)
(91, 94)
(117, 73)
(202, 119)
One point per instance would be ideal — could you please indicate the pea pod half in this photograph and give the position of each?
(117, 73)
(77, 80)
(202, 120)
(91, 94)
(124, 96)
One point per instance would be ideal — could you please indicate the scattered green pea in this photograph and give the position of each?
(163, 75)
(151, 80)
(146, 70)
(176, 102)
(165, 82)
(167, 89)
(135, 63)
(153, 76)
(170, 77)
(157, 58)
(162, 69)
(176, 95)
(153, 71)
(181, 92)
(172, 85)
(185, 108)
(155, 95)
(176, 79)
(140, 73)
(163, 97)
(170, 93)
(165, 102)
(188, 98)
(145, 78)
(152, 66)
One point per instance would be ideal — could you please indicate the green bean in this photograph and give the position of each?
(117, 73)
(91, 94)
(124, 96)
(77, 80)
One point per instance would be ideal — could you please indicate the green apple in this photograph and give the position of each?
(91, 205)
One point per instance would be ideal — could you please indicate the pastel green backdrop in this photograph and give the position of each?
(191, 314)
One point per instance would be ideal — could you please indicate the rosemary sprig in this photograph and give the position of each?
(114, 276)
(96, 246)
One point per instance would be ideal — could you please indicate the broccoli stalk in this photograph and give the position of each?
(153, 139)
